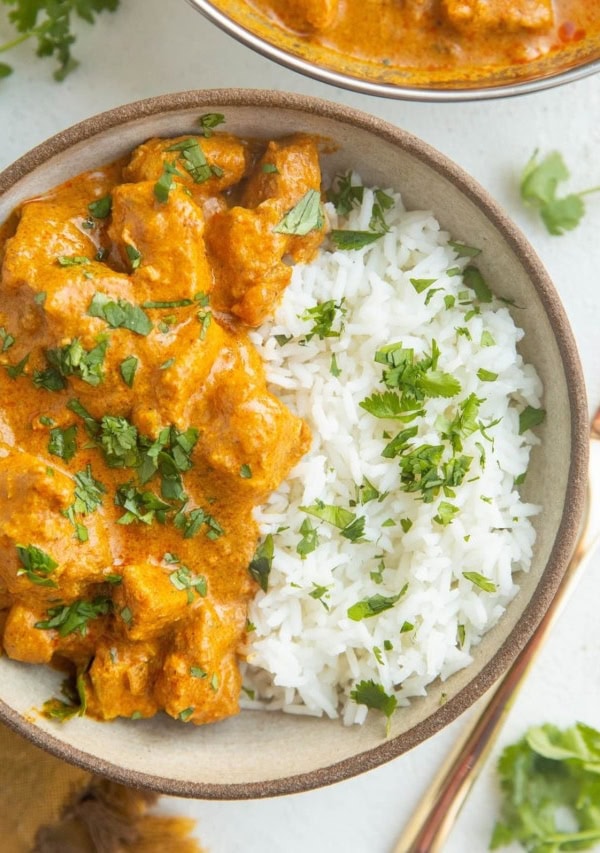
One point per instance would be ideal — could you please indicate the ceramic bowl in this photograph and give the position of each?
(263, 34)
(257, 754)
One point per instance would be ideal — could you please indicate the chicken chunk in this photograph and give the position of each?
(200, 680)
(248, 246)
(162, 242)
(227, 159)
(155, 598)
(120, 679)
(46, 561)
(245, 428)
(500, 14)
(308, 15)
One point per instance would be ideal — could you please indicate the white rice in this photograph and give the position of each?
(305, 654)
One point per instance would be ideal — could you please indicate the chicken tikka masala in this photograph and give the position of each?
(137, 432)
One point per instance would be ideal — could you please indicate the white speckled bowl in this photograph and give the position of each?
(258, 754)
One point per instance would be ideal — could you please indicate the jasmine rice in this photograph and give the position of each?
(395, 540)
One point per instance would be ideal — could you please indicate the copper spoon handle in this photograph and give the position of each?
(436, 814)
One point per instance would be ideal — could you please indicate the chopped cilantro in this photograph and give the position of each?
(347, 240)
(481, 581)
(36, 565)
(63, 442)
(476, 282)
(120, 314)
(101, 207)
(246, 472)
(68, 618)
(348, 523)
(530, 417)
(191, 522)
(16, 370)
(262, 562)
(163, 186)
(344, 195)
(421, 284)
(486, 375)
(323, 316)
(464, 251)
(374, 605)
(140, 506)
(6, 338)
(208, 121)
(184, 579)
(305, 216)
(128, 368)
(310, 539)
(445, 514)
(373, 695)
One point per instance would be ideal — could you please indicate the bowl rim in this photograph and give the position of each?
(566, 534)
(348, 81)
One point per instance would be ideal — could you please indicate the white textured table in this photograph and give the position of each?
(153, 46)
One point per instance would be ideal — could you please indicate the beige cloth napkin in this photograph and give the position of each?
(47, 806)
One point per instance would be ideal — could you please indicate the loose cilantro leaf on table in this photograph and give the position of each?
(51, 24)
(539, 186)
(550, 780)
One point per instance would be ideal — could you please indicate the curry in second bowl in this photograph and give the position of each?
(424, 44)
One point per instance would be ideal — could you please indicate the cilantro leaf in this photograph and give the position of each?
(51, 24)
(374, 605)
(472, 278)
(373, 695)
(323, 316)
(128, 368)
(63, 442)
(481, 581)
(120, 314)
(348, 523)
(262, 562)
(346, 239)
(310, 539)
(68, 618)
(208, 121)
(36, 565)
(305, 216)
(140, 506)
(101, 207)
(538, 187)
(344, 195)
(530, 417)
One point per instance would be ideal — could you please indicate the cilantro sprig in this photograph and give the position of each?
(51, 24)
(550, 782)
(539, 188)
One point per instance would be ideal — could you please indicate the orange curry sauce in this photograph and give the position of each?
(464, 38)
(136, 431)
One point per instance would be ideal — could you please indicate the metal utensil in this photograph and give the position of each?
(435, 815)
